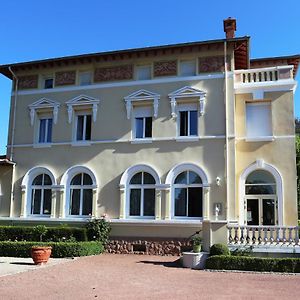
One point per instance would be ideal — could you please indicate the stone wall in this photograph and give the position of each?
(148, 246)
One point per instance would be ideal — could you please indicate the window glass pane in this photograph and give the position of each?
(268, 212)
(148, 178)
(87, 202)
(181, 178)
(48, 83)
(88, 128)
(75, 202)
(79, 135)
(49, 133)
(85, 78)
(136, 179)
(42, 131)
(252, 212)
(195, 202)
(260, 176)
(87, 180)
(36, 201)
(194, 178)
(149, 202)
(135, 202)
(38, 180)
(148, 129)
(76, 179)
(260, 189)
(193, 122)
(183, 123)
(47, 180)
(47, 202)
(180, 202)
(143, 72)
(188, 68)
(139, 128)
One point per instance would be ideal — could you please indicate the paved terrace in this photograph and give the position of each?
(142, 277)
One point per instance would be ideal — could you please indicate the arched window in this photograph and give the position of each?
(142, 195)
(188, 195)
(41, 197)
(261, 200)
(81, 195)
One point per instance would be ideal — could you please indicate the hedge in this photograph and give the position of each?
(59, 249)
(245, 263)
(219, 249)
(55, 234)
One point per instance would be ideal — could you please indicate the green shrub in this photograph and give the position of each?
(98, 230)
(244, 263)
(54, 234)
(59, 249)
(219, 249)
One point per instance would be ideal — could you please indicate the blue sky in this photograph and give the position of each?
(33, 30)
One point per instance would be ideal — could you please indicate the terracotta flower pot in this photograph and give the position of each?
(40, 254)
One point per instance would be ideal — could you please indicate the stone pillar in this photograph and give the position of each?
(94, 204)
(23, 203)
(61, 200)
(168, 204)
(122, 203)
(158, 205)
(53, 203)
(206, 203)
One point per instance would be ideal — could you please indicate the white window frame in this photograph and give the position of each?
(84, 114)
(144, 66)
(187, 61)
(141, 112)
(47, 77)
(188, 108)
(84, 73)
(46, 131)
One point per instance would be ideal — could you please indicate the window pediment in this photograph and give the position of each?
(187, 92)
(82, 100)
(142, 95)
(41, 104)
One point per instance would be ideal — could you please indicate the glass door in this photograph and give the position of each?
(268, 211)
(252, 211)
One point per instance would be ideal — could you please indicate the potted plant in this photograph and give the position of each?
(196, 240)
(40, 254)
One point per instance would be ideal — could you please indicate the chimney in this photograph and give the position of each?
(229, 27)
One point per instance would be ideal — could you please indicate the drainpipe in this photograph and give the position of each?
(11, 156)
(226, 133)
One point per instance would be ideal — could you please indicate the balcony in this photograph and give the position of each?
(272, 78)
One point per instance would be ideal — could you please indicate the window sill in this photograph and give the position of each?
(42, 145)
(81, 144)
(187, 139)
(260, 139)
(141, 141)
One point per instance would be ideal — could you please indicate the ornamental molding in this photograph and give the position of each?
(43, 103)
(142, 95)
(82, 100)
(187, 92)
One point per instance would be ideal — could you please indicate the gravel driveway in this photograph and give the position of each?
(111, 276)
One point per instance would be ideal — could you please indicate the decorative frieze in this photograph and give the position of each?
(212, 64)
(165, 68)
(28, 82)
(148, 246)
(114, 73)
(65, 78)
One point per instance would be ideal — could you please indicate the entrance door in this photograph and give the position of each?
(260, 210)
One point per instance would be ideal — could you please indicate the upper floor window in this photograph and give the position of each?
(143, 72)
(45, 130)
(41, 197)
(188, 68)
(142, 122)
(83, 127)
(48, 82)
(187, 120)
(258, 120)
(85, 78)
(142, 195)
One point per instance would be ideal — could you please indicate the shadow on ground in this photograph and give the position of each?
(168, 264)
(22, 263)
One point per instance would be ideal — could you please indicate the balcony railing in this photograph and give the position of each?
(263, 235)
(263, 74)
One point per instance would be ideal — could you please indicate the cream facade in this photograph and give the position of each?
(164, 141)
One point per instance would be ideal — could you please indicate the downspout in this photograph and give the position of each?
(11, 156)
(226, 131)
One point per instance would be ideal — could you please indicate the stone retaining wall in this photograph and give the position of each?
(148, 246)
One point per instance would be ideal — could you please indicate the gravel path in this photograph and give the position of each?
(110, 276)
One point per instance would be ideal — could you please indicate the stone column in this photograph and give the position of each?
(94, 205)
(122, 203)
(23, 202)
(168, 204)
(205, 203)
(61, 201)
(158, 205)
(53, 203)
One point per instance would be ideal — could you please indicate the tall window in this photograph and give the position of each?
(81, 195)
(142, 122)
(84, 126)
(258, 120)
(188, 123)
(41, 196)
(45, 131)
(188, 194)
(142, 195)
